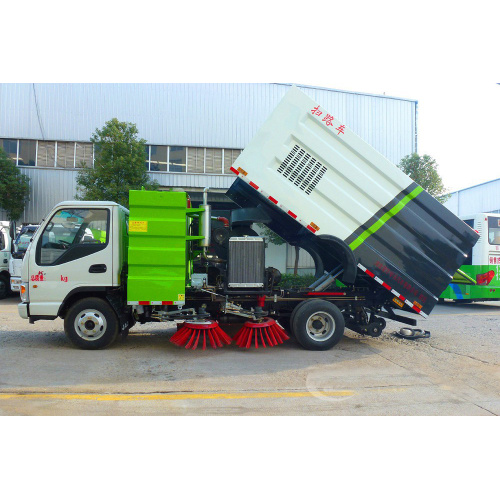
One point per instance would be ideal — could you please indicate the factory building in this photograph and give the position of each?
(194, 132)
(481, 198)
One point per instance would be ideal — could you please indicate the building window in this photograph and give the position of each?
(84, 154)
(146, 164)
(196, 160)
(46, 154)
(177, 159)
(213, 161)
(65, 154)
(159, 159)
(230, 156)
(27, 153)
(10, 147)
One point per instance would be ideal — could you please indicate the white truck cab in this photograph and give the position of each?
(78, 252)
(19, 246)
(5, 249)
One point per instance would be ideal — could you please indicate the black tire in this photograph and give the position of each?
(98, 317)
(4, 287)
(318, 325)
(294, 313)
(287, 321)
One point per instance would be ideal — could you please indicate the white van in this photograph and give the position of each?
(19, 246)
(5, 248)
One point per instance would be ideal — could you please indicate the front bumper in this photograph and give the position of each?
(23, 310)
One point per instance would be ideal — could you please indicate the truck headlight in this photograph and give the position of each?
(25, 295)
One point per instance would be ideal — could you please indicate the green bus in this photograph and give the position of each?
(483, 264)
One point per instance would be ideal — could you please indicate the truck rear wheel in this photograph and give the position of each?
(318, 325)
(289, 321)
(91, 324)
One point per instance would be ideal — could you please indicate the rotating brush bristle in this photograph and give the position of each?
(267, 331)
(191, 334)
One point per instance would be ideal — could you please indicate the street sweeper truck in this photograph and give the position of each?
(382, 247)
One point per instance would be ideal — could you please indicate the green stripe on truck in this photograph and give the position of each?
(388, 215)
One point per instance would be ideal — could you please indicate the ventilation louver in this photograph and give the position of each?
(300, 168)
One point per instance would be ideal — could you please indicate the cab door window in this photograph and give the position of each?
(72, 234)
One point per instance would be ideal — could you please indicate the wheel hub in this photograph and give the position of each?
(320, 326)
(90, 324)
(317, 324)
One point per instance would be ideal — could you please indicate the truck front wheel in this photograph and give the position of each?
(318, 325)
(4, 286)
(91, 324)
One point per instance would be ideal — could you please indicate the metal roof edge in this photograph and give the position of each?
(348, 92)
(475, 185)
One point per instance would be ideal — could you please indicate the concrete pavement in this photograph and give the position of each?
(455, 372)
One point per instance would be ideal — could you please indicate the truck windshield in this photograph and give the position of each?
(69, 228)
(494, 230)
(23, 240)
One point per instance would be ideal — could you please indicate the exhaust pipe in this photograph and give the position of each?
(205, 222)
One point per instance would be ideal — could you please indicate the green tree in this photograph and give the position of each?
(424, 171)
(273, 238)
(14, 187)
(119, 165)
(278, 240)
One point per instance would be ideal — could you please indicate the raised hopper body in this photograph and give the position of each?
(322, 187)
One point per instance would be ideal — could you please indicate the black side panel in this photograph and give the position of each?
(282, 224)
(414, 250)
(418, 250)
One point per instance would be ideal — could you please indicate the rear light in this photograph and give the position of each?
(485, 278)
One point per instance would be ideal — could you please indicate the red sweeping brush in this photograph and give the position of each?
(191, 333)
(266, 331)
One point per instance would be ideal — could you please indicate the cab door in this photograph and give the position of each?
(4, 249)
(4, 262)
(74, 251)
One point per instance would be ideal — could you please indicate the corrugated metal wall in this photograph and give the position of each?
(213, 181)
(214, 115)
(48, 187)
(476, 199)
(220, 115)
